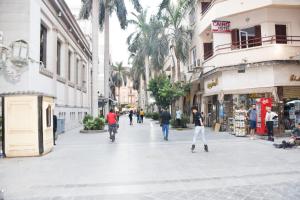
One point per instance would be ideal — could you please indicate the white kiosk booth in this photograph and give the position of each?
(27, 124)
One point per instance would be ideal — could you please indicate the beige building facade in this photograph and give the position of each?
(242, 51)
(127, 95)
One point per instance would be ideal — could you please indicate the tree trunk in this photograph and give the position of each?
(178, 69)
(119, 98)
(140, 91)
(106, 59)
(95, 40)
(147, 72)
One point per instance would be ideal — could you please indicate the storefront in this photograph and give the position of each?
(289, 107)
(228, 94)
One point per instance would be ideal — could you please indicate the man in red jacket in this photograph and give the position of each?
(112, 124)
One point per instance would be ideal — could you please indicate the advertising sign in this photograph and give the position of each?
(261, 109)
(220, 26)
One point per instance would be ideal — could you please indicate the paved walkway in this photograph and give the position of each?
(141, 166)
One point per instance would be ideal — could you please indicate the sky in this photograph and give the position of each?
(118, 46)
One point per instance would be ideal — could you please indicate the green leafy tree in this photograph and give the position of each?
(165, 92)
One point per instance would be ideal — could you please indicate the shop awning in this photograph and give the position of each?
(245, 91)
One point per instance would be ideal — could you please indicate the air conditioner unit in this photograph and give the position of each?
(198, 63)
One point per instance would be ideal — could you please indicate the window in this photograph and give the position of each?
(280, 31)
(208, 50)
(69, 65)
(246, 38)
(77, 71)
(83, 76)
(48, 116)
(193, 57)
(205, 6)
(43, 45)
(58, 52)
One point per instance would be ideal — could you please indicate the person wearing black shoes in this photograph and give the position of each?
(199, 127)
(269, 120)
(54, 129)
(165, 118)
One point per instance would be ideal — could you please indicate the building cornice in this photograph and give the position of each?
(69, 24)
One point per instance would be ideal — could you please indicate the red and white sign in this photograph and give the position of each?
(220, 26)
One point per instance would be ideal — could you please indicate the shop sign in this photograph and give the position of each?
(213, 83)
(293, 77)
(220, 26)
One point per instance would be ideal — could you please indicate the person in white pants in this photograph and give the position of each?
(199, 127)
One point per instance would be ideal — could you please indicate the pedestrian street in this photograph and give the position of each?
(141, 165)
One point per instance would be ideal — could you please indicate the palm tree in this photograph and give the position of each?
(147, 44)
(101, 10)
(178, 34)
(119, 77)
(137, 73)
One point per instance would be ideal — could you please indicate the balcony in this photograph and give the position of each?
(254, 50)
(215, 10)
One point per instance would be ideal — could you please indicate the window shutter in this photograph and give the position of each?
(280, 31)
(208, 50)
(258, 39)
(235, 38)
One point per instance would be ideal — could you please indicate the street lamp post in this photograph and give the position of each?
(102, 101)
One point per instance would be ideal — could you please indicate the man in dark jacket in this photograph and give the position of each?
(54, 128)
(165, 118)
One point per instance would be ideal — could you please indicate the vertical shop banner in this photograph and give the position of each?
(220, 26)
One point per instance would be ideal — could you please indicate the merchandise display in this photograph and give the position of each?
(240, 123)
(230, 125)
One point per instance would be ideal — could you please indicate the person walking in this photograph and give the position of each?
(138, 116)
(142, 114)
(130, 117)
(112, 124)
(199, 127)
(165, 118)
(178, 117)
(269, 120)
(252, 121)
(54, 129)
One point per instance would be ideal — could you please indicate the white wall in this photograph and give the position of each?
(238, 6)
(283, 72)
(15, 24)
(254, 77)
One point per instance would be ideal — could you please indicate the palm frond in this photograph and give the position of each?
(163, 5)
(121, 12)
(85, 10)
(137, 6)
(101, 14)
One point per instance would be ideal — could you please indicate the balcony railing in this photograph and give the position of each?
(250, 43)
